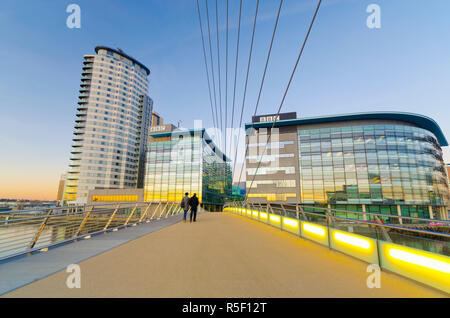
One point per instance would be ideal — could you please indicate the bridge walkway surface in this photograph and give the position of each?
(222, 255)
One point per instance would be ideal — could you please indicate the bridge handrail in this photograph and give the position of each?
(428, 266)
(81, 221)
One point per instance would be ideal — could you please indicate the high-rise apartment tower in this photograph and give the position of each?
(111, 125)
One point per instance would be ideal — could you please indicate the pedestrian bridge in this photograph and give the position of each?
(220, 255)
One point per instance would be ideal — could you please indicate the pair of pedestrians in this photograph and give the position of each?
(190, 203)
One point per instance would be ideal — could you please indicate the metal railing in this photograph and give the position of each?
(26, 231)
(422, 255)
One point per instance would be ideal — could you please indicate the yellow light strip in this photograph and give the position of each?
(352, 240)
(290, 222)
(274, 218)
(420, 260)
(263, 215)
(255, 214)
(313, 229)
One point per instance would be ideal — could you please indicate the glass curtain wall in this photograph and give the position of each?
(377, 165)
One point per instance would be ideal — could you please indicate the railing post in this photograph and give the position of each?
(170, 210)
(111, 218)
(156, 210)
(365, 213)
(145, 212)
(383, 230)
(328, 231)
(399, 212)
(430, 212)
(83, 223)
(39, 232)
(162, 211)
(131, 214)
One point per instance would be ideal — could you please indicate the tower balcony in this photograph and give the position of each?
(83, 101)
(77, 144)
(78, 138)
(83, 95)
(86, 77)
(82, 113)
(88, 66)
(75, 157)
(78, 126)
(74, 164)
(84, 88)
(87, 72)
(82, 107)
(76, 150)
(78, 132)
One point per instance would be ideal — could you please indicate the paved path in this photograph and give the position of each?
(222, 255)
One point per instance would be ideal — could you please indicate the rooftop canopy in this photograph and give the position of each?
(415, 119)
(120, 52)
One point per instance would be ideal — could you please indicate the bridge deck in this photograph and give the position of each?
(222, 255)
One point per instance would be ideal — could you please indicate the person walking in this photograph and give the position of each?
(193, 203)
(185, 205)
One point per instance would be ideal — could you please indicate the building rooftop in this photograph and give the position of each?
(192, 132)
(420, 121)
(120, 52)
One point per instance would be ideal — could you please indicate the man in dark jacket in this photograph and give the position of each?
(185, 205)
(193, 203)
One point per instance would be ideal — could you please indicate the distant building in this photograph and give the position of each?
(115, 195)
(61, 185)
(111, 125)
(180, 161)
(384, 162)
(237, 194)
(157, 120)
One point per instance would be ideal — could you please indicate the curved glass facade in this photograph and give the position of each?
(372, 164)
(186, 162)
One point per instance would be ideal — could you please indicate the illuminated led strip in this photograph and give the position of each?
(313, 229)
(290, 222)
(255, 214)
(263, 215)
(352, 240)
(275, 218)
(420, 260)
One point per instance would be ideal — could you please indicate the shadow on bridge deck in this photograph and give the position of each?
(222, 255)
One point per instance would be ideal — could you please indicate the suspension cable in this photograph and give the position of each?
(246, 80)
(212, 63)
(206, 64)
(284, 95)
(263, 78)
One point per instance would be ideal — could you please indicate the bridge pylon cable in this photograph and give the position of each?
(212, 63)
(206, 64)
(284, 95)
(246, 81)
(263, 78)
(235, 71)
(218, 73)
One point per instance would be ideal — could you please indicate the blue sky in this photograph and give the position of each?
(346, 67)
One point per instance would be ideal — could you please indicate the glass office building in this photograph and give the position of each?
(376, 162)
(111, 125)
(180, 161)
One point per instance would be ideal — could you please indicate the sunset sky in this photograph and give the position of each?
(346, 67)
